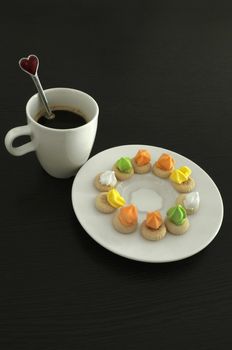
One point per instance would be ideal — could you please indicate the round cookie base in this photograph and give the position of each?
(102, 204)
(141, 169)
(122, 176)
(180, 200)
(100, 187)
(164, 174)
(121, 228)
(177, 229)
(151, 234)
(185, 187)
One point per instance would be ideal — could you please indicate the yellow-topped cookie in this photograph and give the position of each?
(180, 175)
(115, 199)
(181, 180)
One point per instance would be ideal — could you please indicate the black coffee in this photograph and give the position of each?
(63, 120)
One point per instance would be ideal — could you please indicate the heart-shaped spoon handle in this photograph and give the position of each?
(30, 65)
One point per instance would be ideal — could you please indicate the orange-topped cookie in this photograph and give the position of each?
(165, 162)
(142, 157)
(128, 215)
(154, 220)
(164, 166)
(141, 161)
(126, 219)
(153, 227)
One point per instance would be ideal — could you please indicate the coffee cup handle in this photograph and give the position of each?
(12, 135)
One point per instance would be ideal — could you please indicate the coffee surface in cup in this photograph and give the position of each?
(64, 119)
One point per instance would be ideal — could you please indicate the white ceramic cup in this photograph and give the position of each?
(61, 152)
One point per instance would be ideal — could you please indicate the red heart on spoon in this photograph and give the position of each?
(30, 64)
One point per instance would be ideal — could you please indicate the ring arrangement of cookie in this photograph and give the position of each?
(125, 218)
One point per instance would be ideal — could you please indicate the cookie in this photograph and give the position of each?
(164, 166)
(141, 169)
(141, 162)
(103, 205)
(177, 229)
(190, 201)
(161, 173)
(126, 219)
(184, 187)
(121, 228)
(152, 234)
(122, 176)
(105, 177)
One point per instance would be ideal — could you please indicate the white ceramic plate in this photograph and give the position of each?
(204, 225)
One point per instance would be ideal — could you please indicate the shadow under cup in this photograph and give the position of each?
(61, 152)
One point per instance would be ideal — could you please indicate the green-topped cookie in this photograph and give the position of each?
(177, 214)
(124, 164)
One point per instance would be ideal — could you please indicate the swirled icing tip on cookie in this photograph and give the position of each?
(192, 201)
(108, 178)
(124, 164)
(165, 162)
(180, 175)
(128, 215)
(115, 199)
(142, 157)
(177, 214)
(154, 220)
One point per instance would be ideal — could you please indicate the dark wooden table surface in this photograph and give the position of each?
(162, 75)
